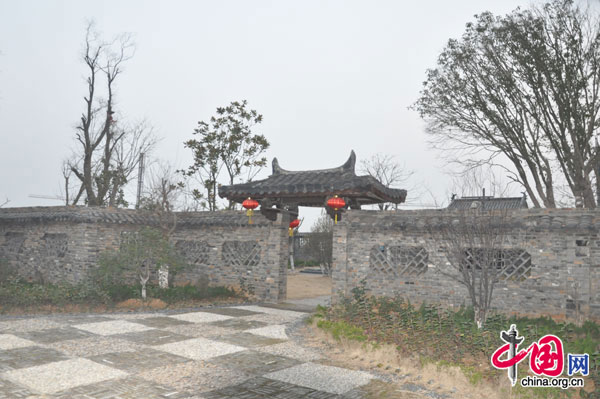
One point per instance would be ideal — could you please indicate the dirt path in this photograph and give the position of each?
(304, 285)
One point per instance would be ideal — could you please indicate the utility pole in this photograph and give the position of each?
(140, 184)
(598, 175)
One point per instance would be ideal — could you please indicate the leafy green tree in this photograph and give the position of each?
(525, 88)
(226, 143)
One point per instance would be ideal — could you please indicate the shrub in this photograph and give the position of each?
(7, 271)
(139, 257)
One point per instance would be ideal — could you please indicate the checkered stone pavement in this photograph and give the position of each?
(226, 352)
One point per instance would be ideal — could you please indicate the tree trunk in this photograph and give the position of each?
(480, 316)
(144, 280)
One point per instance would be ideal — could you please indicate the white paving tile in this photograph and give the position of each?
(277, 312)
(112, 327)
(276, 331)
(199, 348)
(9, 341)
(54, 377)
(330, 379)
(200, 317)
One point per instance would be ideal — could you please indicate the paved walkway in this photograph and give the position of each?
(242, 352)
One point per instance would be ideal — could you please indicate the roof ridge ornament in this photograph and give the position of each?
(348, 166)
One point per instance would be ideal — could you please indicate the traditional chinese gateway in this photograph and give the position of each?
(286, 190)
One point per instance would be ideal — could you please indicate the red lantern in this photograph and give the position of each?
(336, 203)
(293, 224)
(250, 204)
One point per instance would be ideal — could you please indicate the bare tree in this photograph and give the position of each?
(320, 242)
(474, 243)
(387, 170)
(108, 151)
(4, 203)
(475, 181)
(523, 88)
(161, 198)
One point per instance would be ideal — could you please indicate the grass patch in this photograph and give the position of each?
(450, 337)
(341, 329)
(22, 294)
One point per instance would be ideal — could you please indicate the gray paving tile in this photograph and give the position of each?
(125, 388)
(152, 337)
(323, 378)
(261, 388)
(28, 356)
(248, 340)
(137, 361)
(8, 390)
(200, 330)
(239, 324)
(194, 377)
(81, 319)
(234, 312)
(254, 363)
(380, 389)
(53, 335)
(161, 322)
(11, 325)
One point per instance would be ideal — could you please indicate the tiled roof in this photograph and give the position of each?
(82, 214)
(312, 187)
(489, 203)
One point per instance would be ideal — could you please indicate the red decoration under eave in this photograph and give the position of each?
(294, 223)
(336, 203)
(250, 203)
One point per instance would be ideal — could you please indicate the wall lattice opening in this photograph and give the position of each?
(509, 264)
(397, 261)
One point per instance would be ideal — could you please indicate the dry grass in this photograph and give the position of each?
(130, 304)
(449, 380)
(140, 304)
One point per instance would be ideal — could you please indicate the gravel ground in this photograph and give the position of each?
(93, 346)
(219, 353)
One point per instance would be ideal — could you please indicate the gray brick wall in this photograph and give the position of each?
(564, 280)
(63, 243)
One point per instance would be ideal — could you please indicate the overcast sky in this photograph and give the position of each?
(328, 77)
